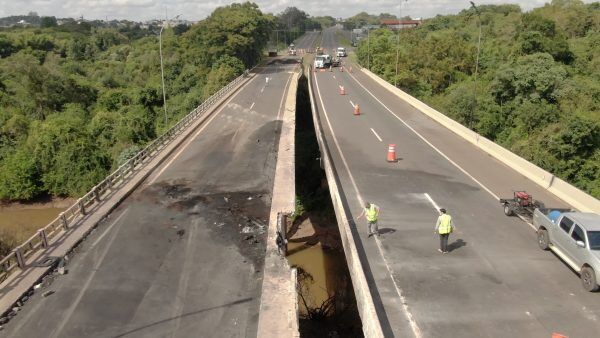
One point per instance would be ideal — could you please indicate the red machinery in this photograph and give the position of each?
(521, 204)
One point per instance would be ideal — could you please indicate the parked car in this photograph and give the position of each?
(575, 238)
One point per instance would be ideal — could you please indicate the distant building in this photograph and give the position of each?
(400, 24)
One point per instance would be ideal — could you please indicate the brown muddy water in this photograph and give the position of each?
(18, 224)
(322, 265)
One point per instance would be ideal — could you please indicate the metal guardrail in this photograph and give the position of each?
(65, 221)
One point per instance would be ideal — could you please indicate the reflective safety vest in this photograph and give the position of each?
(371, 213)
(445, 224)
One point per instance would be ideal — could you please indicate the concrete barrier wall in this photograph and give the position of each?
(563, 190)
(278, 311)
(366, 307)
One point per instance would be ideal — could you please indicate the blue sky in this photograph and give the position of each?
(193, 10)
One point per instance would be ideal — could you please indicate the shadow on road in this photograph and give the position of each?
(183, 316)
(383, 231)
(457, 244)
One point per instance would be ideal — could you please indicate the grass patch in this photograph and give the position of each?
(344, 41)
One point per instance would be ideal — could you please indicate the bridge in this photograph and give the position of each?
(183, 242)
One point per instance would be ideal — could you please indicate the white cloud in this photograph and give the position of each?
(196, 10)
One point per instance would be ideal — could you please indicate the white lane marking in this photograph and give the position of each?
(206, 123)
(374, 132)
(352, 103)
(334, 76)
(425, 140)
(413, 324)
(252, 105)
(435, 206)
(67, 314)
(527, 221)
(283, 96)
(262, 89)
(109, 227)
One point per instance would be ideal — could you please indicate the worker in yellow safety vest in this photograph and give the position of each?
(444, 227)
(371, 211)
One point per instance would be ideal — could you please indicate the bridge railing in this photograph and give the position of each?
(67, 219)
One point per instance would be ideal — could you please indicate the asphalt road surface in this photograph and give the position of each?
(495, 282)
(183, 255)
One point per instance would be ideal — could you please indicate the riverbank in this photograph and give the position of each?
(20, 220)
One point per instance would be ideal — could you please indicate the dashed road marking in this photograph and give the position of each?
(437, 207)
(374, 132)
(252, 105)
(425, 140)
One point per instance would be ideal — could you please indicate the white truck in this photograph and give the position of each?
(575, 238)
(322, 61)
(341, 52)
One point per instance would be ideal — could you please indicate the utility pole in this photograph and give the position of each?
(368, 48)
(398, 44)
(476, 64)
(162, 69)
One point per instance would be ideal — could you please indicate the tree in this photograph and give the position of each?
(239, 30)
(292, 17)
(532, 77)
(224, 71)
(48, 21)
(325, 21)
(6, 46)
(19, 177)
(180, 29)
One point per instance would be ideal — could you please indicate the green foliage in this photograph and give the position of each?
(77, 99)
(325, 21)
(239, 30)
(48, 21)
(537, 91)
(531, 77)
(224, 71)
(19, 177)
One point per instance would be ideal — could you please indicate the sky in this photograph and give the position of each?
(194, 10)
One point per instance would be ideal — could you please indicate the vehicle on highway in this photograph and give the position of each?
(341, 52)
(322, 61)
(575, 238)
(336, 62)
(522, 204)
(292, 51)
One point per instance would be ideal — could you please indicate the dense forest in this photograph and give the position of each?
(77, 100)
(535, 89)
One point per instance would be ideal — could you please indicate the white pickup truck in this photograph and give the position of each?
(322, 61)
(341, 52)
(575, 238)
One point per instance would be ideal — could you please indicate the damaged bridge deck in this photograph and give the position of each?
(184, 254)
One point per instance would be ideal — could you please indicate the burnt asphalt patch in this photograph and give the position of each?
(234, 218)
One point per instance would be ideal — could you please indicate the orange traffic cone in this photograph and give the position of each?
(342, 90)
(356, 109)
(558, 335)
(391, 156)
